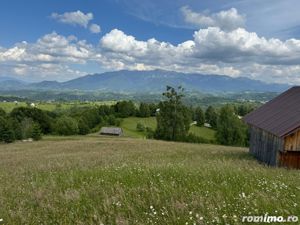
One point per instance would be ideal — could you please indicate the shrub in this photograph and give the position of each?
(149, 133)
(192, 138)
(140, 127)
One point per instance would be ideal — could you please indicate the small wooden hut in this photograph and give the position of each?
(275, 130)
(112, 131)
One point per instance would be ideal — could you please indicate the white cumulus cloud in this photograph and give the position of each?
(227, 19)
(78, 18)
(209, 51)
(95, 28)
(73, 18)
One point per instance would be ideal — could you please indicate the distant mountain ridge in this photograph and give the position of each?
(152, 82)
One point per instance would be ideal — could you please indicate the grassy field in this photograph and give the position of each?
(129, 127)
(99, 180)
(9, 106)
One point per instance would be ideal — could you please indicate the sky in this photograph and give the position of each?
(64, 39)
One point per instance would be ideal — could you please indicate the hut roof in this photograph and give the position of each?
(111, 130)
(279, 116)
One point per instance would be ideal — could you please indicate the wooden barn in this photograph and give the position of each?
(275, 130)
(112, 131)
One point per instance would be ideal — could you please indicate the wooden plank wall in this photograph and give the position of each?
(265, 146)
(292, 142)
(290, 159)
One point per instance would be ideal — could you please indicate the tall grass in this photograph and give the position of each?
(96, 180)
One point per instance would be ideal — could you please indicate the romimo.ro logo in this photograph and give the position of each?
(270, 219)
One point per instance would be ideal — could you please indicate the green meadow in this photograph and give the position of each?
(129, 128)
(103, 180)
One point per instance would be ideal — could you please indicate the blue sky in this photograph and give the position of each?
(64, 39)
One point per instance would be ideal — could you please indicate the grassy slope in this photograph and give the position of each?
(94, 180)
(129, 127)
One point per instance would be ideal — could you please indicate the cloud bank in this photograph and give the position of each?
(212, 50)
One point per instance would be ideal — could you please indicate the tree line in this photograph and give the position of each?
(30, 122)
(174, 120)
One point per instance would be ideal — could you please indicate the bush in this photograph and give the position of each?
(66, 126)
(150, 133)
(140, 127)
(192, 138)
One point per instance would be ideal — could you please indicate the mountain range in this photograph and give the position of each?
(154, 81)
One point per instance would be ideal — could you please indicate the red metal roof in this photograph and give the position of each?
(279, 116)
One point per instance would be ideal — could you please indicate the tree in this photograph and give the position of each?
(17, 128)
(6, 132)
(37, 115)
(199, 117)
(92, 117)
(27, 125)
(144, 110)
(2, 112)
(83, 128)
(230, 130)
(36, 132)
(173, 119)
(211, 117)
(125, 109)
(66, 126)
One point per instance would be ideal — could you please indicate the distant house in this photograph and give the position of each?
(207, 125)
(113, 131)
(275, 130)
